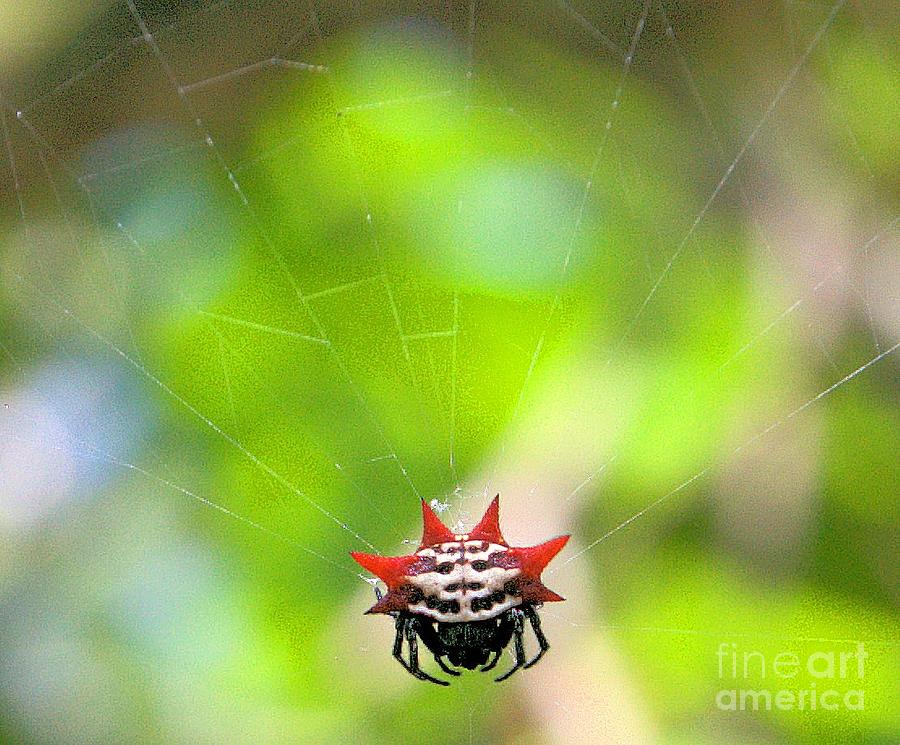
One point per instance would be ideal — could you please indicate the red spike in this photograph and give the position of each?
(433, 530)
(393, 601)
(546, 595)
(533, 559)
(389, 569)
(537, 592)
(489, 527)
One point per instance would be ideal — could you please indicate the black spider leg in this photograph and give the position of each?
(497, 652)
(518, 629)
(428, 636)
(532, 616)
(406, 627)
(412, 639)
(431, 640)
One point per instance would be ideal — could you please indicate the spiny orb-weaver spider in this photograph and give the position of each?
(465, 596)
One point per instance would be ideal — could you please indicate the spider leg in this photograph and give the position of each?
(411, 636)
(397, 652)
(532, 616)
(493, 663)
(433, 642)
(402, 626)
(443, 666)
(518, 628)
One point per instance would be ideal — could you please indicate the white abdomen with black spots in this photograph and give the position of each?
(465, 584)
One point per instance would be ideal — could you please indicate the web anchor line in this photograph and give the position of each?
(747, 443)
(793, 307)
(98, 455)
(725, 634)
(803, 298)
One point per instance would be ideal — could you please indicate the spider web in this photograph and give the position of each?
(299, 266)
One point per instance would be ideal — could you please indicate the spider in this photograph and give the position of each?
(465, 596)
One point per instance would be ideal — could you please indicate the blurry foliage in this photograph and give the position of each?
(460, 193)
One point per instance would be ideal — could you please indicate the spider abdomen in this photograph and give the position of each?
(463, 581)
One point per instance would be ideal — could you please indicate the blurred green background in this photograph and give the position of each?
(271, 272)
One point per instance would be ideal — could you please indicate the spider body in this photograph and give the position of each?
(465, 596)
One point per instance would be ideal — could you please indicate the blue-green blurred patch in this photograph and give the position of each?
(511, 232)
(159, 191)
